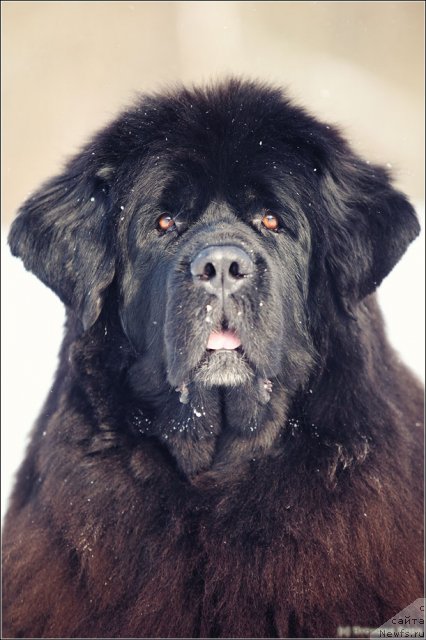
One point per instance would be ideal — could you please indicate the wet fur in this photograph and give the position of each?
(239, 510)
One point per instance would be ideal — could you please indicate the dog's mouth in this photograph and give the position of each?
(224, 339)
(215, 349)
(224, 362)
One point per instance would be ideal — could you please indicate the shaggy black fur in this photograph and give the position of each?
(170, 491)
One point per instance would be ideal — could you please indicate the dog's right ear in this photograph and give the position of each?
(64, 234)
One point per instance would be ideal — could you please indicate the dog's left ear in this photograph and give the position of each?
(370, 225)
(64, 235)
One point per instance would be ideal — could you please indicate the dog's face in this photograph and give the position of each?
(215, 280)
(229, 220)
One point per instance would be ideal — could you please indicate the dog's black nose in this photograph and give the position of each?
(221, 269)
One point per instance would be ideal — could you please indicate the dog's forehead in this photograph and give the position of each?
(245, 147)
(239, 132)
(192, 195)
(182, 180)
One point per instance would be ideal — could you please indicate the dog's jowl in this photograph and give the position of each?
(231, 447)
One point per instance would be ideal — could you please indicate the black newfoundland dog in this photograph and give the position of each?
(231, 448)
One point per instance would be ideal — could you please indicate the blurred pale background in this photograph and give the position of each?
(68, 67)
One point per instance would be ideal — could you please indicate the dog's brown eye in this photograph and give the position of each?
(165, 222)
(270, 221)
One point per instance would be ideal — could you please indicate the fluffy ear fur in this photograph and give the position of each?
(63, 235)
(372, 225)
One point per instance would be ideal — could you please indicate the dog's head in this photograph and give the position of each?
(226, 217)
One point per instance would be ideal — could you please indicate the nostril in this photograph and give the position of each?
(209, 272)
(234, 270)
(221, 269)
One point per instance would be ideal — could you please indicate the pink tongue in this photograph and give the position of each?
(223, 340)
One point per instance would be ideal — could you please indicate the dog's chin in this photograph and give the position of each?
(223, 368)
